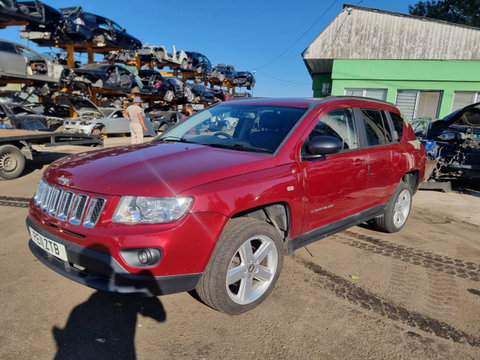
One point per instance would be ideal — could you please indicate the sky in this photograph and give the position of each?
(265, 36)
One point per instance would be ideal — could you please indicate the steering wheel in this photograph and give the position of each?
(224, 134)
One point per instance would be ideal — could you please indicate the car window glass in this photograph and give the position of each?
(397, 123)
(376, 128)
(117, 27)
(8, 47)
(262, 127)
(338, 123)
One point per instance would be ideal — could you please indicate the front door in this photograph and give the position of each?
(335, 185)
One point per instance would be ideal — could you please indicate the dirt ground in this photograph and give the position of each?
(357, 295)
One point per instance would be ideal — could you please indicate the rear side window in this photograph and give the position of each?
(376, 127)
(397, 124)
(338, 123)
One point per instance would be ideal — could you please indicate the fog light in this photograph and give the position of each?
(145, 256)
(141, 257)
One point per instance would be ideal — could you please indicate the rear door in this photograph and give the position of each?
(377, 136)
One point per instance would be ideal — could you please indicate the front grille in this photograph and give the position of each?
(77, 208)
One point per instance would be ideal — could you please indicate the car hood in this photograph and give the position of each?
(467, 117)
(151, 169)
(84, 107)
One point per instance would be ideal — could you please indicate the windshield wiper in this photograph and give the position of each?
(176, 139)
(240, 146)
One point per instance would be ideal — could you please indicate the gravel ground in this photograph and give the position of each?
(359, 294)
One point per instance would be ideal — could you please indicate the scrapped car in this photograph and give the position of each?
(21, 62)
(19, 116)
(183, 92)
(121, 55)
(13, 10)
(201, 93)
(155, 84)
(160, 55)
(216, 211)
(108, 76)
(46, 30)
(92, 120)
(84, 26)
(245, 79)
(222, 95)
(228, 71)
(454, 142)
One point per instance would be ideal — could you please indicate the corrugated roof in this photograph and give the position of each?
(366, 33)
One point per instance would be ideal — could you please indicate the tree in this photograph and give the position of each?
(465, 12)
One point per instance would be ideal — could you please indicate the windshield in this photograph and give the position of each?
(259, 128)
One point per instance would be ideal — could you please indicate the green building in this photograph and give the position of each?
(427, 67)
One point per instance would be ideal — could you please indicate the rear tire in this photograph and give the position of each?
(397, 210)
(243, 268)
(12, 162)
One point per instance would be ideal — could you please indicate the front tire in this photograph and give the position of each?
(243, 268)
(397, 210)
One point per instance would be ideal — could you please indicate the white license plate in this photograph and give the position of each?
(50, 246)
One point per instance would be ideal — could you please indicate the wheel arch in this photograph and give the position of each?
(412, 178)
(274, 214)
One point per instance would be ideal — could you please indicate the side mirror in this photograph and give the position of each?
(319, 146)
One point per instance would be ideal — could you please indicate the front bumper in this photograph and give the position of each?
(99, 270)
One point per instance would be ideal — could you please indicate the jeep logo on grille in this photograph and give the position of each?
(63, 180)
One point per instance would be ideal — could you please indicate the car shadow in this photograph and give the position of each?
(103, 327)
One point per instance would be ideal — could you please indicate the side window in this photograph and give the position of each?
(376, 127)
(8, 47)
(338, 123)
(397, 124)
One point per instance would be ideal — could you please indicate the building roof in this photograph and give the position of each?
(366, 33)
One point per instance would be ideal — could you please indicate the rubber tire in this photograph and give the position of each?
(212, 288)
(97, 131)
(169, 95)
(15, 155)
(188, 95)
(385, 223)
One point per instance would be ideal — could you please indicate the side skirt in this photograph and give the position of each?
(333, 228)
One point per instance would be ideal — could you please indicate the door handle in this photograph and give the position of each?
(358, 162)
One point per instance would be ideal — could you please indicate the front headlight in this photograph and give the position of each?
(150, 210)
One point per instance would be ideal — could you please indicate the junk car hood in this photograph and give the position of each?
(152, 169)
(467, 117)
(85, 107)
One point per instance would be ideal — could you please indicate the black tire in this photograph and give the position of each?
(99, 38)
(169, 95)
(243, 268)
(97, 131)
(12, 162)
(184, 64)
(397, 211)
(188, 95)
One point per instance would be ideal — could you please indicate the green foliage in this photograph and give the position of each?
(465, 12)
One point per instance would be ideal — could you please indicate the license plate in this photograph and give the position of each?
(50, 246)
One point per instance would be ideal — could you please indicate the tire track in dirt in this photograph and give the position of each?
(401, 281)
(441, 293)
(14, 201)
(427, 259)
(343, 288)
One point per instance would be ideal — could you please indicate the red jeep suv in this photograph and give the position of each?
(214, 203)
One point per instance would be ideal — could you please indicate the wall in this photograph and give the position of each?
(447, 76)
